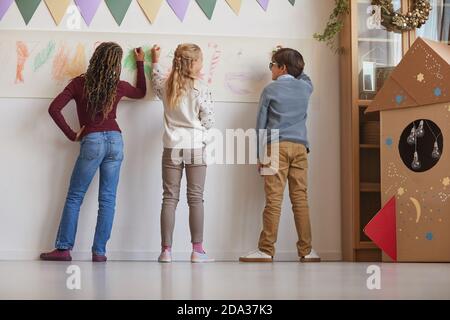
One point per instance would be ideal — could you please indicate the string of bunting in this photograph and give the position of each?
(119, 8)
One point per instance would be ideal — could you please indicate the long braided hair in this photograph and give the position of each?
(182, 77)
(102, 78)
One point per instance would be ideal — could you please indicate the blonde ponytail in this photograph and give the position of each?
(181, 78)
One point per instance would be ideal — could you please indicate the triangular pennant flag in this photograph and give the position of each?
(382, 229)
(292, 2)
(207, 6)
(235, 5)
(264, 4)
(150, 8)
(87, 8)
(118, 9)
(179, 7)
(4, 6)
(27, 8)
(57, 9)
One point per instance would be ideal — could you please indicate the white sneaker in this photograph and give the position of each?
(311, 257)
(165, 257)
(256, 256)
(197, 257)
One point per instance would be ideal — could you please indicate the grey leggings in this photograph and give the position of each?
(173, 162)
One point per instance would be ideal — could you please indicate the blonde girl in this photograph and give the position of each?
(187, 115)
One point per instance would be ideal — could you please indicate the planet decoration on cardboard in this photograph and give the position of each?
(414, 104)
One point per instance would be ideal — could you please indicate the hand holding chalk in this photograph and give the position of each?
(139, 54)
(156, 52)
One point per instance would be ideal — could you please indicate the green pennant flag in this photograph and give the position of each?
(27, 8)
(292, 2)
(118, 9)
(207, 6)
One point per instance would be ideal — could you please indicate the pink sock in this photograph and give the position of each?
(168, 248)
(198, 247)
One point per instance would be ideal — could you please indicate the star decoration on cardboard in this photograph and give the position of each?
(437, 92)
(446, 181)
(399, 98)
(420, 77)
(401, 191)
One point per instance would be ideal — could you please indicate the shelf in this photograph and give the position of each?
(366, 245)
(369, 146)
(369, 187)
(379, 40)
(364, 103)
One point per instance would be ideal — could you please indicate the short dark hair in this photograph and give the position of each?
(290, 58)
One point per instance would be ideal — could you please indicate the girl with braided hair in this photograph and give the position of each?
(96, 93)
(187, 115)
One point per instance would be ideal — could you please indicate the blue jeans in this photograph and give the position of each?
(102, 150)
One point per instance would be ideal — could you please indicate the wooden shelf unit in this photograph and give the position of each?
(360, 140)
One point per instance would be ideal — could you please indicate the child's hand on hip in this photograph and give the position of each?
(79, 133)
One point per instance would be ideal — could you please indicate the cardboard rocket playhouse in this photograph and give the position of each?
(414, 104)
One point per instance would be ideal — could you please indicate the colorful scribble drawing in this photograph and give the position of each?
(215, 60)
(241, 83)
(22, 56)
(44, 55)
(39, 64)
(59, 63)
(129, 62)
(78, 64)
(65, 68)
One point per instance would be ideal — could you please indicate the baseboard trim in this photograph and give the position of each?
(153, 255)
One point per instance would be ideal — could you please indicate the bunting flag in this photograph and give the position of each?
(118, 9)
(4, 6)
(207, 6)
(27, 8)
(235, 5)
(150, 8)
(57, 9)
(87, 8)
(179, 7)
(264, 4)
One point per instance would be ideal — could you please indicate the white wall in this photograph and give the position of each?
(37, 159)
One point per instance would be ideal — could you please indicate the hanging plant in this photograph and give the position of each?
(395, 21)
(334, 25)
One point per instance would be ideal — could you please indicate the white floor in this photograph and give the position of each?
(222, 280)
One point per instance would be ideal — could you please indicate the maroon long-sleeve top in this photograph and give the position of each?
(75, 90)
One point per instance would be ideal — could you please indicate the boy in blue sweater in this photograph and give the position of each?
(283, 109)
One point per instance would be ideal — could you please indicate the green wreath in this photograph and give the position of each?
(398, 22)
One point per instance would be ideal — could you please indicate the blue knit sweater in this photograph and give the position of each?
(284, 106)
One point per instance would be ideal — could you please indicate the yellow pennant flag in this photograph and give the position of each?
(150, 8)
(57, 9)
(235, 5)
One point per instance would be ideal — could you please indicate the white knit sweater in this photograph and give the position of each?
(185, 125)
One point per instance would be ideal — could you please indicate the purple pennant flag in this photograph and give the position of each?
(264, 4)
(87, 8)
(179, 7)
(4, 6)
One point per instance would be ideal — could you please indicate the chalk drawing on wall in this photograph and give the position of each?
(39, 64)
